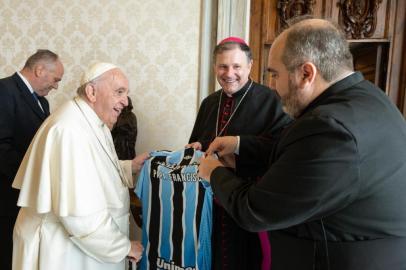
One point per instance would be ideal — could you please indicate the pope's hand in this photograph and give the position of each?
(194, 145)
(138, 161)
(223, 146)
(135, 253)
(207, 165)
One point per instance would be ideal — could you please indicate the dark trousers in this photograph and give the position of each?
(292, 253)
(6, 236)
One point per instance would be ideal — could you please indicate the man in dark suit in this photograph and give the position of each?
(23, 108)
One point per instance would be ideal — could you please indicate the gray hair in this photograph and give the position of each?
(46, 56)
(81, 90)
(325, 46)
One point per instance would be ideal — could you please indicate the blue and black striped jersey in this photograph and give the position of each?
(177, 212)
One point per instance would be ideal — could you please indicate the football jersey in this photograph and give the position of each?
(176, 212)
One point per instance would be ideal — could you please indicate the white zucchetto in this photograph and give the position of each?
(95, 71)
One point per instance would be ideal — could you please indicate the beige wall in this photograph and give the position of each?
(156, 42)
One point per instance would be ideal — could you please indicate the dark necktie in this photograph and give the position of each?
(37, 100)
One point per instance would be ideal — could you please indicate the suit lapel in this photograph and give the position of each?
(27, 97)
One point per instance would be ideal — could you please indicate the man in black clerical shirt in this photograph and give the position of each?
(333, 196)
(241, 107)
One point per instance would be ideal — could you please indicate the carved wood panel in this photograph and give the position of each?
(288, 9)
(376, 26)
(359, 17)
(276, 13)
(362, 19)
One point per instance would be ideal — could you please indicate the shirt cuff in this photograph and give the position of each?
(127, 169)
(237, 147)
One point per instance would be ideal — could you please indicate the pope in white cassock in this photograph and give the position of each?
(73, 189)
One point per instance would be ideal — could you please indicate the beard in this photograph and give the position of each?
(293, 102)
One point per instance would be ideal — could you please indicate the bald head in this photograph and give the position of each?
(305, 60)
(317, 41)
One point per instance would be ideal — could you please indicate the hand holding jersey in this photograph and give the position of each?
(194, 145)
(135, 253)
(224, 147)
(138, 161)
(207, 164)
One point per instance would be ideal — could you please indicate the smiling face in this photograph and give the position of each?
(232, 69)
(109, 95)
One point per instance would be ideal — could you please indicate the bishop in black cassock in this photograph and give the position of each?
(253, 110)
